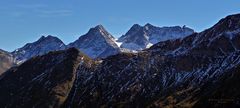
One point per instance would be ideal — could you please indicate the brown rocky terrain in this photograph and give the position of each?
(6, 61)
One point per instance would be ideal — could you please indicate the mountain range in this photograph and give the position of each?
(99, 43)
(189, 69)
(96, 43)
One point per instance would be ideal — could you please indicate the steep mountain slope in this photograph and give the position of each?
(208, 59)
(40, 47)
(43, 81)
(173, 73)
(142, 37)
(197, 71)
(225, 94)
(96, 43)
(6, 61)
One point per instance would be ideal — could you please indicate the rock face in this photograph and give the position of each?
(200, 70)
(142, 37)
(40, 47)
(43, 81)
(6, 61)
(97, 43)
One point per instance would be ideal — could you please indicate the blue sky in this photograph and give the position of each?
(23, 21)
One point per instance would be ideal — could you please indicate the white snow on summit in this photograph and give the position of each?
(142, 37)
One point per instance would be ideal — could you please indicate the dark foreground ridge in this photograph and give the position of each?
(43, 81)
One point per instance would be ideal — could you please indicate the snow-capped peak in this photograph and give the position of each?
(42, 46)
(97, 42)
(142, 37)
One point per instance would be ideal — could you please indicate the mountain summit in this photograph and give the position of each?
(40, 47)
(142, 37)
(98, 42)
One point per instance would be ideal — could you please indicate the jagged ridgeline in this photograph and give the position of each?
(96, 43)
(99, 43)
(200, 70)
